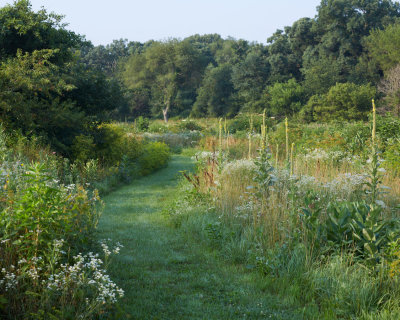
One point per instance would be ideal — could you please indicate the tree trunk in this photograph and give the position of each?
(165, 112)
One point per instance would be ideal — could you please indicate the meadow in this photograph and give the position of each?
(201, 178)
(310, 211)
(313, 208)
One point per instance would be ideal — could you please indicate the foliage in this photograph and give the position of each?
(264, 174)
(141, 124)
(37, 216)
(29, 31)
(190, 126)
(214, 96)
(285, 99)
(346, 101)
(155, 155)
(381, 46)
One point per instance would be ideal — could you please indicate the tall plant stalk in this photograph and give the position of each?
(291, 160)
(287, 138)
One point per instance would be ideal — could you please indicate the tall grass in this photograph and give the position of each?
(320, 230)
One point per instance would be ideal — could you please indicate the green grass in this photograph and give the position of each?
(166, 275)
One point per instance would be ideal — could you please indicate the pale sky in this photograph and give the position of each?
(103, 21)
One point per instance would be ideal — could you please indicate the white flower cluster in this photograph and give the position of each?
(244, 210)
(323, 155)
(86, 272)
(237, 167)
(343, 183)
(205, 156)
(350, 181)
(107, 251)
(9, 280)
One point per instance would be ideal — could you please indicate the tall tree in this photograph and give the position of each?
(339, 29)
(216, 95)
(23, 29)
(250, 77)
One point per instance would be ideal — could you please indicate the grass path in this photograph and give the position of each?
(166, 276)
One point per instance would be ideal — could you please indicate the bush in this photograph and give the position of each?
(344, 101)
(158, 127)
(83, 148)
(42, 224)
(176, 141)
(142, 124)
(155, 155)
(190, 126)
(392, 156)
(110, 144)
(242, 123)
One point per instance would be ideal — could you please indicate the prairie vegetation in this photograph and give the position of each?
(295, 188)
(317, 213)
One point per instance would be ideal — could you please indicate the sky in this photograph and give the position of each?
(102, 21)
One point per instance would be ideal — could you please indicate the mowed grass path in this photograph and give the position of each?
(165, 275)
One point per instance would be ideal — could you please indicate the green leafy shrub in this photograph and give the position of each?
(158, 127)
(141, 124)
(110, 144)
(242, 123)
(155, 155)
(285, 99)
(344, 101)
(175, 141)
(392, 155)
(41, 211)
(83, 148)
(42, 225)
(190, 126)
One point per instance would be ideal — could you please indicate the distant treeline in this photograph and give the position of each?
(321, 68)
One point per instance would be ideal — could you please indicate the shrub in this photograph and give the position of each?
(286, 98)
(190, 126)
(142, 124)
(344, 101)
(242, 123)
(392, 155)
(83, 148)
(158, 127)
(110, 144)
(155, 155)
(37, 217)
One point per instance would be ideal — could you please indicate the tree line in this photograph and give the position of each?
(57, 85)
(321, 68)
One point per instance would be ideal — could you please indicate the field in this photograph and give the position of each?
(317, 215)
(201, 177)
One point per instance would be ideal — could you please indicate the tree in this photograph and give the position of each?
(26, 30)
(44, 89)
(155, 70)
(390, 86)
(30, 98)
(285, 98)
(383, 46)
(339, 30)
(284, 63)
(216, 94)
(107, 58)
(249, 77)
